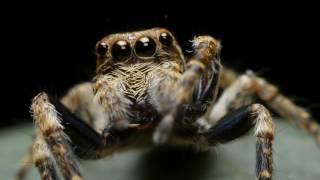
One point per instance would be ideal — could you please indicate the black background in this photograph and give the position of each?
(50, 47)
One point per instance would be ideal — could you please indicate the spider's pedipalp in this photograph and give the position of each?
(114, 103)
(200, 65)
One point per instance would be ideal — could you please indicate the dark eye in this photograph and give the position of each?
(121, 50)
(145, 47)
(165, 39)
(102, 49)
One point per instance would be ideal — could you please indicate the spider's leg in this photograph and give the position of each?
(73, 123)
(227, 77)
(42, 159)
(277, 102)
(79, 101)
(86, 142)
(287, 109)
(49, 126)
(238, 123)
(233, 97)
(206, 50)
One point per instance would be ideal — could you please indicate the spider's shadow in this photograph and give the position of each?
(172, 163)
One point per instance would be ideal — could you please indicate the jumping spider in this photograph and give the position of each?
(145, 92)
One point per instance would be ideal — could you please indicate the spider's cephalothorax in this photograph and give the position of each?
(144, 69)
(145, 92)
(131, 63)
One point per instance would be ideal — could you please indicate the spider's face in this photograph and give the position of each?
(127, 61)
(127, 49)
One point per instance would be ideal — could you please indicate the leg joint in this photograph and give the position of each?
(264, 125)
(45, 114)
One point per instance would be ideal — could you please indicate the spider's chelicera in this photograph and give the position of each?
(146, 92)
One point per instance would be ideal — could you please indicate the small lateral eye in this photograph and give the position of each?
(166, 39)
(145, 47)
(102, 49)
(121, 50)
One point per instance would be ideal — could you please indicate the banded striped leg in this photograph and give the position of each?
(206, 50)
(276, 101)
(303, 119)
(238, 123)
(48, 123)
(42, 159)
(78, 100)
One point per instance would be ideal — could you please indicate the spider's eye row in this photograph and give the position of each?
(121, 50)
(102, 49)
(166, 39)
(145, 47)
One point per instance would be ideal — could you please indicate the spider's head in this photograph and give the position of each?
(140, 47)
(127, 64)
(127, 61)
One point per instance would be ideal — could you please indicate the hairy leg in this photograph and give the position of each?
(86, 142)
(43, 159)
(81, 118)
(79, 100)
(270, 95)
(238, 123)
(48, 124)
(233, 97)
(206, 51)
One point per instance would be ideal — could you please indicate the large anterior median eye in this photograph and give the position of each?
(121, 50)
(145, 47)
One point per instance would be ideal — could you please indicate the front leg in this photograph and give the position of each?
(58, 127)
(206, 51)
(48, 123)
(238, 123)
(42, 158)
